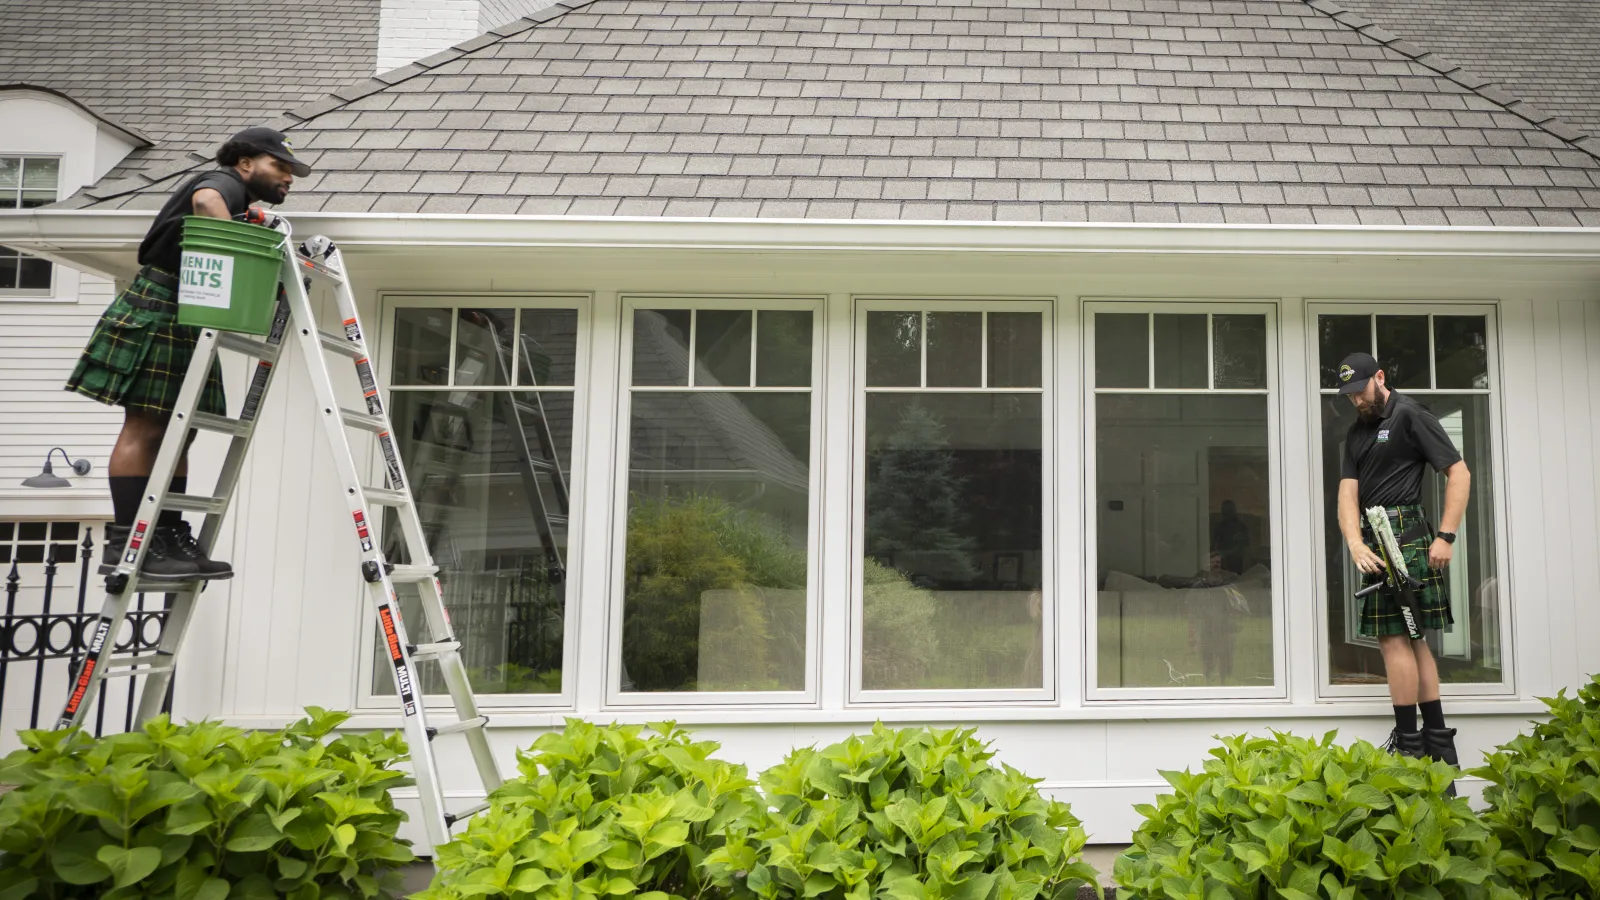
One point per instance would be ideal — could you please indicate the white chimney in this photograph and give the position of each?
(409, 30)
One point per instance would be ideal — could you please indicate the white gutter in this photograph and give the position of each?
(50, 232)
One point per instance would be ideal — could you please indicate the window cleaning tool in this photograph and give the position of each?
(317, 258)
(1395, 575)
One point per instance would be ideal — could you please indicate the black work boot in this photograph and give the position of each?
(180, 544)
(1406, 743)
(1440, 744)
(159, 563)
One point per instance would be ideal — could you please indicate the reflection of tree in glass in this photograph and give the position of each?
(678, 548)
(899, 642)
(914, 501)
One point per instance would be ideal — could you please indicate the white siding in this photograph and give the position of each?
(412, 29)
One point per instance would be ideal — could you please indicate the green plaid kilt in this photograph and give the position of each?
(1380, 612)
(137, 357)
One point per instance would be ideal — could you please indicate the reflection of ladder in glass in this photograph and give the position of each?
(529, 466)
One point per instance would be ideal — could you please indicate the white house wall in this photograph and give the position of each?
(290, 630)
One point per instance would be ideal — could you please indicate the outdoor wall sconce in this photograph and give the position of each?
(49, 479)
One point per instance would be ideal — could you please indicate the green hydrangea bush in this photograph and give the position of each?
(908, 814)
(203, 811)
(601, 811)
(1300, 819)
(1544, 800)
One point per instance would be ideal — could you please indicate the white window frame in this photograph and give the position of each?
(1497, 442)
(612, 670)
(1046, 694)
(389, 303)
(9, 293)
(1281, 582)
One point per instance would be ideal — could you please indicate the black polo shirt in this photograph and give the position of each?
(1386, 457)
(163, 243)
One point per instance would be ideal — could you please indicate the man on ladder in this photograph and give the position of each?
(138, 354)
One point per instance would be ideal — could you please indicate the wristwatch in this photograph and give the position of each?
(1449, 537)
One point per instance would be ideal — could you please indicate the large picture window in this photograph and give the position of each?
(716, 532)
(953, 492)
(482, 404)
(1444, 361)
(1184, 592)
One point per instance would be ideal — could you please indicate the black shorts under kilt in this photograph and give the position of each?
(137, 357)
(1380, 612)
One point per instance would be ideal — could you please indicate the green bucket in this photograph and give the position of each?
(229, 276)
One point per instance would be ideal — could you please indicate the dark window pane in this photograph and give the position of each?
(64, 531)
(1461, 346)
(714, 583)
(9, 266)
(548, 352)
(894, 349)
(1184, 536)
(661, 347)
(6, 530)
(489, 471)
(483, 346)
(1121, 350)
(954, 548)
(34, 274)
(1240, 351)
(8, 200)
(783, 348)
(1016, 347)
(30, 553)
(955, 349)
(5, 553)
(65, 553)
(32, 531)
(1181, 351)
(1338, 337)
(36, 199)
(421, 346)
(722, 347)
(1403, 352)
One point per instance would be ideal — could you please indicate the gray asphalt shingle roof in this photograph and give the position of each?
(1546, 52)
(187, 74)
(1264, 111)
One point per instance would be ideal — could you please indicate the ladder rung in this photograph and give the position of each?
(321, 271)
(469, 812)
(209, 422)
(463, 725)
(412, 574)
(232, 340)
(129, 672)
(557, 520)
(122, 662)
(386, 497)
(435, 650)
(333, 343)
(194, 503)
(363, 421)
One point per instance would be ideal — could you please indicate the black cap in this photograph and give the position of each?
(272, 143)
(1354, 372)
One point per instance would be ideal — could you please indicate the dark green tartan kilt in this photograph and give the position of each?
(137, 357)
(1380, 612)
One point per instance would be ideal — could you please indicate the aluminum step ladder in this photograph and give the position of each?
(318, 259)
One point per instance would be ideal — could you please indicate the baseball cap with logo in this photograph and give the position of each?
(1354, 372)
(272, 143)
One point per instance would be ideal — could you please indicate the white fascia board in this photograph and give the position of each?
(70, 233)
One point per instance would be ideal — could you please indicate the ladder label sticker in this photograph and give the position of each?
(402, 672)
(352, 330)
(369, 386)
(86, 674)
(392, 460)
(362, 532)
(258, 387)
(206, 279)
(135, 541)
(280, 317)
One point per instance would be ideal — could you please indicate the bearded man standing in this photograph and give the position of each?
(1391, 442)
(139, 354)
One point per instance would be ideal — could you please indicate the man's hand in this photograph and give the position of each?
(1366, 559)
(1439, 553)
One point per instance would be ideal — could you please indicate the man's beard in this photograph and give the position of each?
(264, 186)
(1369, 413)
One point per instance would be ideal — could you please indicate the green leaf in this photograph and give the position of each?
(253, 834)
(128, 865)
(76, 860)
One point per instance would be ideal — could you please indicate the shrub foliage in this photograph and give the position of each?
(202, 811)
(1301, 819)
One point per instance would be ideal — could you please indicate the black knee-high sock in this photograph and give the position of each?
(1405, 718)
(171, 518)
(126, 493)
(1433, 714)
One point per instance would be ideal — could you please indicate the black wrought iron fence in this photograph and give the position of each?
(43, 637)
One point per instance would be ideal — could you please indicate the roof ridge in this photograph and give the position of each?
(1484, 87)
(353, 92)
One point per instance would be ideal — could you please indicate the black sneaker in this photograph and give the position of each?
(180, 544)
(1440, 744)
(1406, 743)
(159, 563)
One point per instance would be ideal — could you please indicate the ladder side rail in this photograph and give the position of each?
(548, 440)
(529, 476)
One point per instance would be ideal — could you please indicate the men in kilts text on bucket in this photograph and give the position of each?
(1392, 441)
(138, 354)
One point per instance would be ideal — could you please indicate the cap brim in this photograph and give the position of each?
(299, 168)
(1354, 387)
